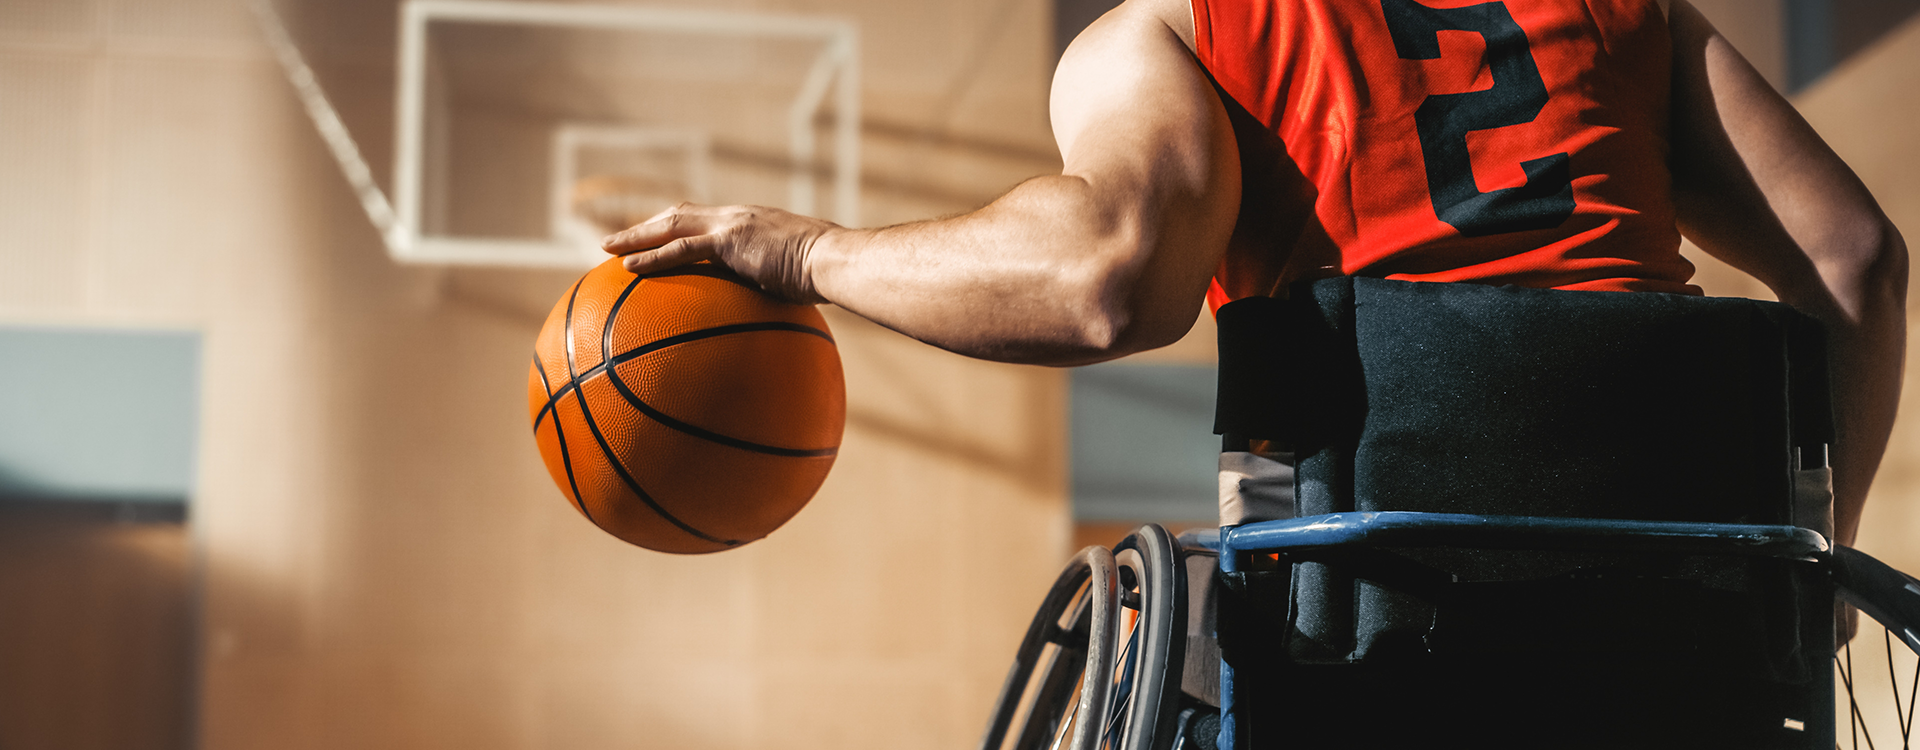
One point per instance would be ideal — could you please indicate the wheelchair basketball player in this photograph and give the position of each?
(1216, 150)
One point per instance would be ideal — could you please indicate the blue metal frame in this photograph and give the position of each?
(1304, 536)
(1409, 529)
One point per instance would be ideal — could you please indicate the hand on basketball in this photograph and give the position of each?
(766, 245)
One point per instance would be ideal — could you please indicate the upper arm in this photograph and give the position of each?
(1139, 123)
(1755, 186)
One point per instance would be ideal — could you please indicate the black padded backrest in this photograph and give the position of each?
(1499, 400)
(1475, 399)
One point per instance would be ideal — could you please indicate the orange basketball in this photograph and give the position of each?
(685, 411)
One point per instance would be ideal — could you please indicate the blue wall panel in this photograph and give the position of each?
(98, 414)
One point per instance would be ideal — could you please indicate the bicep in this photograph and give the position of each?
(1139, 123)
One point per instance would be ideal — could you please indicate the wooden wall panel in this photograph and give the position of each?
(388, 565)
(96, 648)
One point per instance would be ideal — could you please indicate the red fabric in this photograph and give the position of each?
(1334, 177)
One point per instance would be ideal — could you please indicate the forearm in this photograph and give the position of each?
(1867, 332)
(1109, 258)
(1861, 304)
(1052, 273)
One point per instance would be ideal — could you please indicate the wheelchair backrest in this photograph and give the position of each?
(1504, 400)
(1454, 398)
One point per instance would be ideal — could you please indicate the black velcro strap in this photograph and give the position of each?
(1254, 389)
(1289, 369)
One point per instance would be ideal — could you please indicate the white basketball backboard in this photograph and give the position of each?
(639, 170)
(497, 103)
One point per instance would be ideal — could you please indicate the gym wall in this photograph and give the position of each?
(385, 563)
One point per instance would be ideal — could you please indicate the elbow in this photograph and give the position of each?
(1857, 274)
(1850, 273)
(1890, 265)
(1122, 309)
(1115, 333)
(1872, 274)
(1131, 279)
(1099, 322)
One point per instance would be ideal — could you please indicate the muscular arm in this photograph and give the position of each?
(1108, 258)
(1757, 188)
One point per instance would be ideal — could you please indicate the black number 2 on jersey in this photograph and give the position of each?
(1517, 96)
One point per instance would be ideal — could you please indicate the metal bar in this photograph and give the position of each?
(327, 121)
(800, 146)
(409, 160)
(718, 23)
(846, 148)
(1409, 529)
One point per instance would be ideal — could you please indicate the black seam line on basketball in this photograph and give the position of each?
(546, 386)
(606, 326)
(633, 484)
(572, 294)
(567, 332)
(566, 459)
(683, 338)
(709, 435)
(641, 351)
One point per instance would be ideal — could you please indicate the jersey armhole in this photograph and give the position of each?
(1202, 29)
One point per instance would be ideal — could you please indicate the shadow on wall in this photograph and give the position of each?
(96, 621)
(1143, 444)
(18, 489)
(1823, 34)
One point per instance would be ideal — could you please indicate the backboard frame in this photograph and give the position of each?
(570, 138)
(834, 70)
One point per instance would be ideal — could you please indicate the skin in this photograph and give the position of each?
(1110, 257)
(1113, 255)
(1756, 187)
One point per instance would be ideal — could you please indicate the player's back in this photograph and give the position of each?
(1515, 142)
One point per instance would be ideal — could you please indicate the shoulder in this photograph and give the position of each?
(1176, 15)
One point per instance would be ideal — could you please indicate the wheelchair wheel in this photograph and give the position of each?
(1099, 668)
(1878, 672)
(1146, 681)
(1047, 702)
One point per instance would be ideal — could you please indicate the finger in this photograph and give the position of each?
(670, 209)
(675, 253)
(684, 220)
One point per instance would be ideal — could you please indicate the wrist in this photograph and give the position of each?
(825, 261)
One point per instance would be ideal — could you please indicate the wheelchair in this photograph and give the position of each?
(1406, 604)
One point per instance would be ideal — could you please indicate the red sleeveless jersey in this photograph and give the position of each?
(1510, 142)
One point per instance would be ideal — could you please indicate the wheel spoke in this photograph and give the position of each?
(1902, 713)
(1857, 719)
(1893, 678)
(1065, 729)
(1116, 718)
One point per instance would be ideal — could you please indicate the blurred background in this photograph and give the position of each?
(264, 485)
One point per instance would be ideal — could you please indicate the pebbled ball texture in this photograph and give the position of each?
(685, 411)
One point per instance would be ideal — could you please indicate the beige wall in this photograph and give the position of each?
(386, 562)
(1757, 29)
